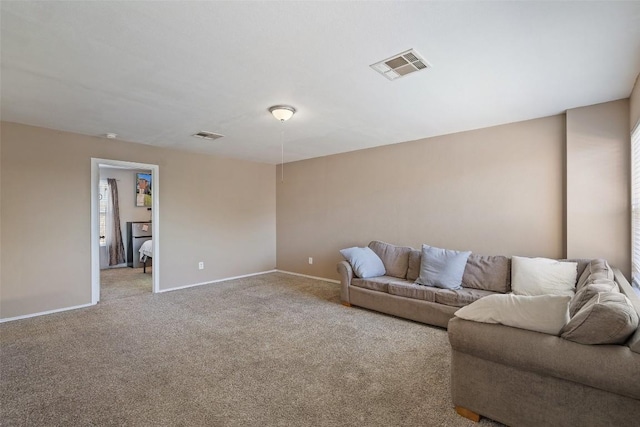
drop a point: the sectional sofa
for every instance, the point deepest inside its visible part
(515, 375)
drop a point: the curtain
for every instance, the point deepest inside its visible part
(113, 236)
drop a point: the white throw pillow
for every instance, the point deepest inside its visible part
(364, 261)
(543, 276)
(543, 313)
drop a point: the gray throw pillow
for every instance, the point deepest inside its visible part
(490, 273)
(608, 318)
(442, 268)
(364, 261)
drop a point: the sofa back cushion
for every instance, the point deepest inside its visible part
(413, 272)
(608, 318)
(596, 269)
(394, 258)
(489, 273)
(587, 292)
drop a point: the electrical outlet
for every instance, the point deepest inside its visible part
(201, 265)
(310, 260)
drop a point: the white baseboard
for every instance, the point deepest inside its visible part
(42, 313)
(324, 279)
(216, 281)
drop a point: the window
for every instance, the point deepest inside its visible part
(635, 205)
(104, 198)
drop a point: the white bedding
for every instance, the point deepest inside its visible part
(146, 250)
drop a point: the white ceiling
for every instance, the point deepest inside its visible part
(157, 72)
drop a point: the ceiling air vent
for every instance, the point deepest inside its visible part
(207, 135)
(400, 65)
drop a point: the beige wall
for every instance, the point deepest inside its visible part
(497, 190)
(215, 210)
(598, 171)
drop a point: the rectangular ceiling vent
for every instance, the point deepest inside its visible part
(207, 135)
(401, 65)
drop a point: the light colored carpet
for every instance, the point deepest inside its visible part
(270, 350)
(116, 283)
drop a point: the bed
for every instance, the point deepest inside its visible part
(146, 252)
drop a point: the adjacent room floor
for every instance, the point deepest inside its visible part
(116, 283)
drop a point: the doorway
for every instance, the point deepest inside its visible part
(124, 278)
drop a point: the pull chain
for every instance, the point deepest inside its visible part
(282, 152)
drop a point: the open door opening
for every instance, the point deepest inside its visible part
(125, 233)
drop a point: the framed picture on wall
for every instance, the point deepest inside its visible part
(143, 189)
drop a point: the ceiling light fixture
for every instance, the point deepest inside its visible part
(282, 112)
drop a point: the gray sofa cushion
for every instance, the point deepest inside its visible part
(380, 283)
(442, 268)
(460, 297)
(608, 318)
(394, 258)
(411, 290)
(596, 269)
(490, 273)
(588, 291)
(413, 272)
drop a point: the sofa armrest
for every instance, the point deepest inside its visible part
(346, 274)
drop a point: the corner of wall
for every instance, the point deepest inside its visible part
(634, 104)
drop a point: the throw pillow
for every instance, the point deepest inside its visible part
(364, 261)
(608, 318)
(442, 268)
(587, 292)
(490, 273)
(541, 313)
(543, 276)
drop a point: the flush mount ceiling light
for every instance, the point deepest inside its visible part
(401, 64)
(282, 112)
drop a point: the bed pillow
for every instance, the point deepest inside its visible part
(543, 276)
(364, 261)
(541, 313)
(442, 268)
(608, 318)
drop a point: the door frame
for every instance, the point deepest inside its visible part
(95, 223)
